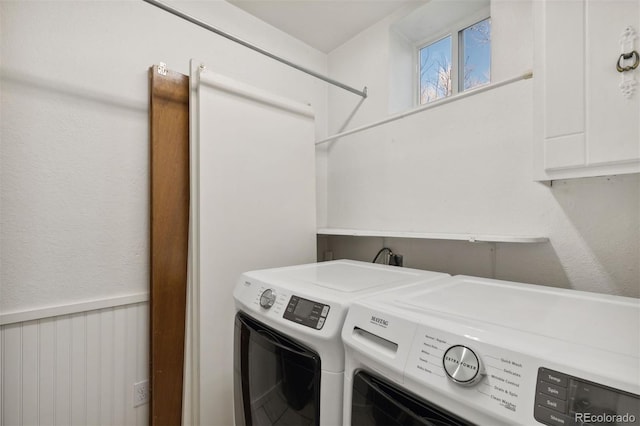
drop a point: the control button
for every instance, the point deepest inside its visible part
(551, 402)
(267, 298)
(325, 311)
(551, 417)
(462, 365)
(580, 405)
(553, 377)
(320, 323)
(552, 390)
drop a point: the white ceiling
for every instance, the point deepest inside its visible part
(323, 24)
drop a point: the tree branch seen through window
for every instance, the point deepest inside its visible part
(436, 79)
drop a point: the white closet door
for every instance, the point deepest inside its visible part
(253, 206)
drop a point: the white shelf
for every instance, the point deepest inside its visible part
(473, 238)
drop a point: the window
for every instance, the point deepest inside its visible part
(439, 49)
(440, 76)
(476, 54)
(435, 70)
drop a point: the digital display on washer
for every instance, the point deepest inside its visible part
(306, 312)
(304, 308)
(568, 400)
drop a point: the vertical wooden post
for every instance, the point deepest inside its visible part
(169, 153)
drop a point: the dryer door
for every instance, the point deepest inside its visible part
(376, 402)
(276, 379)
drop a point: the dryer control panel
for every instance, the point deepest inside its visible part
(566, 400)
(306, 312)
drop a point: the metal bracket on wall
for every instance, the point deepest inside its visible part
(162, 68)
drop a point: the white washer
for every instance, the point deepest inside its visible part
(288, 352)
(477, 351)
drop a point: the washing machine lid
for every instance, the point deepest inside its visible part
(347, 277)
(588, 319)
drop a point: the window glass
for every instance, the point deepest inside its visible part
(435, 70)
(476, 54)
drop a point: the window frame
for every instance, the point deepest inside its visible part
(453, 30)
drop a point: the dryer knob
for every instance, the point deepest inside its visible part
(462, 365)
(267, 298)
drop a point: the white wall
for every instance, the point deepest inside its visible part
(466, 167)
(75, 152)
(74, 164)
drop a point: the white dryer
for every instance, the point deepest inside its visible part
(288, 352)
(479, 351)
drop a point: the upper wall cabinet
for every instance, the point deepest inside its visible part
(587, 112)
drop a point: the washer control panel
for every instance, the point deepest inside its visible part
(566, 400)
(306, 312)
(489, 378)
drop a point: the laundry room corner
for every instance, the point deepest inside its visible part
(365, 213)
(466, 167)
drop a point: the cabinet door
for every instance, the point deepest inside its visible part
(613, 121)
(585, 126)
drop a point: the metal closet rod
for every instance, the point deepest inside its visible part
(235, 39)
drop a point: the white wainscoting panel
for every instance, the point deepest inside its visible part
(75, 369)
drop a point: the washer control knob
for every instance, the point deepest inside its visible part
(462, 365)
(267, 298)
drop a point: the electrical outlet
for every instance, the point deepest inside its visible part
(396, 260)
(141, 393)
